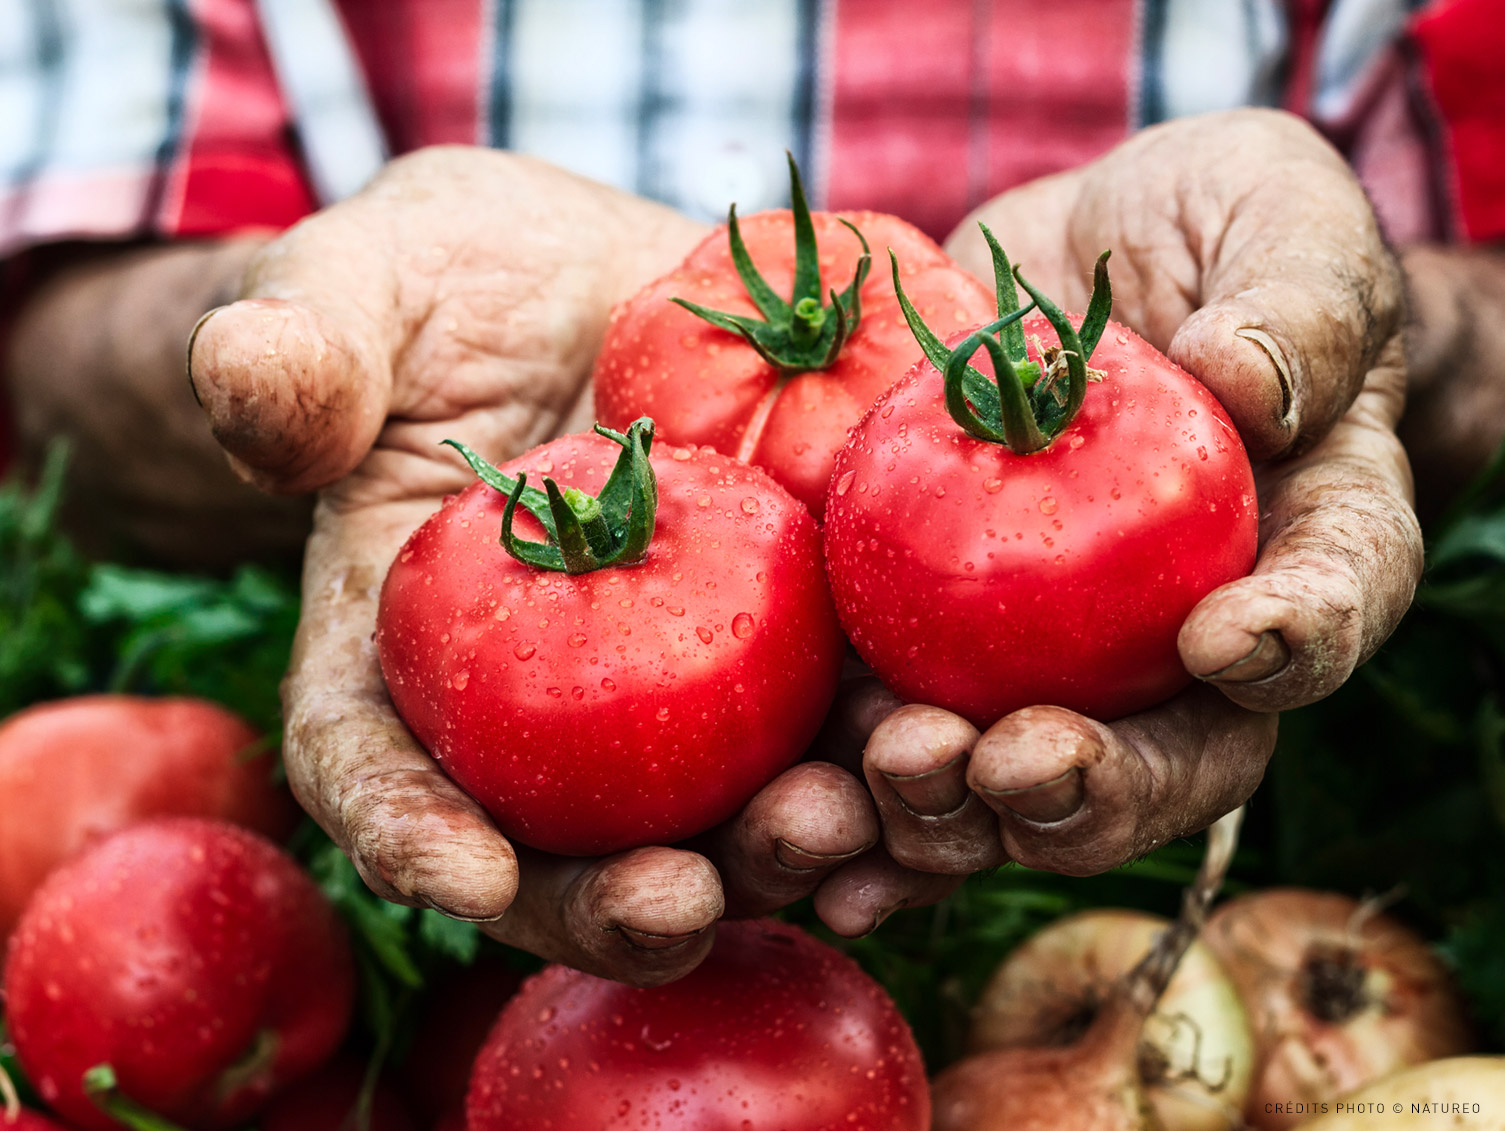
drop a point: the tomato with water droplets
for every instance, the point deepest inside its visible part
(192, 956)
(630, 704)
(1056, 577)
(705, 384)
(774, 1031)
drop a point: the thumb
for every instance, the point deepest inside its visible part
(296, 379)
(1299, 293)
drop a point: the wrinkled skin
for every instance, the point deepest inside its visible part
(372, 331)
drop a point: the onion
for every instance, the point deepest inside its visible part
(1093, 1083)
(1463, 1093)
(1196, 1053)
(1338, 995)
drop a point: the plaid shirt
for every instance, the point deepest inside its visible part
(172, 118)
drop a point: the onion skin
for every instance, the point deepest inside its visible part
(1464, 1080)
(1406, 1010)
(1092, 1085)
(1197, 1041)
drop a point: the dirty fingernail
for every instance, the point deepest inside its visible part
(1269, 655)
(1278, 359)
(1047, 802)
(934, 793)
(193, 336)
(797, 859)
(646, 940)
(455, 915)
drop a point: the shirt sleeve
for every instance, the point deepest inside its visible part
(157, 118)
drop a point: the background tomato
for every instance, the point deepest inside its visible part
(773, 1032)
(705, 385)
(194, 957)
(982, 581)
(75, 770)
(29, 1121)
(627, 706)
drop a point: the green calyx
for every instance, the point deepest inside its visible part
(1026, 404)
(101, 1086)
(584, 532)
(803, 333)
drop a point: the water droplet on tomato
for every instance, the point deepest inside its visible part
(844, 483)
(742, 626)
(577, 692)
(760, 576)
(524, 651)
(888, 410)
(556, 692)
(576, 640)
(444, 638)
(608, 684)
(1076, 441)
(460, 680)
(545, 466)
(546, 1015)
(992, 486)
(914, 650)
(676, 611)
(662, 714)
(749, 505)
(1202, 453)
(703, 501)
(705, 634)
(681, 454)
(1048, 505)
(407, 556)
(1122, 340)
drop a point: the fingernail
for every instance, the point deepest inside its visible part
(797, 859)
(1269, 656)
(455, 915)
(934, 793)
(882, 915)
(193, 336)
(1278, 359)
(1046, 803)
(646, 940)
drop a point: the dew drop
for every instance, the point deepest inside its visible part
(576, 640)
(681, 454)
(742, 626)
(844, 484)
(705, 634)
(608, 684)
(703, 501)
(407, 556)
(556, 692)
(675, 610)
(749, 505)
(662, 714)
(460, 680)
(1201, 453)
(1076, 441)
(444, 638)
(577, 692)
(524, 651)
(1048, 505)
(992, 486)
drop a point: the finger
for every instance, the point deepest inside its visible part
(856, 899)
(1340, 559)
(807, 822)
(916, 767)
(296, 378)
(415, 837)
(1298, 292)
(862, 702)
(1078, 796)
(644, 917)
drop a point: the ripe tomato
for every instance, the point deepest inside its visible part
(706, 385)
(77, 769)
(982, 580)
(192, 956)
(772, 1032)
(627, 705)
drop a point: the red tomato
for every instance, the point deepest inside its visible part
(75, 770)
(632, 705)
(327, 1101)
(772, 1032)
(705, 385)
(192, 956)
(982, 581)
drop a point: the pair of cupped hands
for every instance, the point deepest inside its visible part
(464, 294)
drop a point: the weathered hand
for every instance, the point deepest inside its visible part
(1244, 248)
(464, 294)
